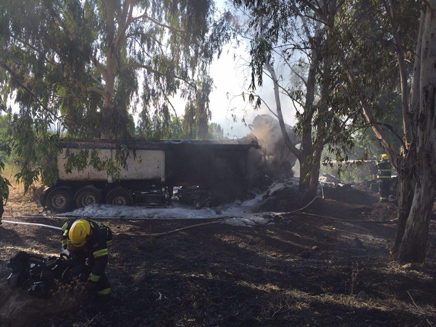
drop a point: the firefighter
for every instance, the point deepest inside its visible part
(384, 176)
(89, 242)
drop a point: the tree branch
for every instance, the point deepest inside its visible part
(97, 90)
(428, 4)
(157, 23)
(99, 66)
(168, 100)
(389, 127)
(318, 12)
(340, 130)
(152, 70)
(121, 33)
(17, 79)
(283, 89)
(285, 135)
(388, 146)
(402, 67)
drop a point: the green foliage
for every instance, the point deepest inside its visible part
(197, 111)
(289, 39)
(4, 157)
(320, 43)
(84, 58)
(78, 65)
(365, 148)
(37, 149)
(4, 148)
(82, 158)
(4, 185)
(215, 131)
(177, 129)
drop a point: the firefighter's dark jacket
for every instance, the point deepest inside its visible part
(95, 249)
(384, 170)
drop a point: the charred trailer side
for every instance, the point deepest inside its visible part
(149, 168)
(216, 171)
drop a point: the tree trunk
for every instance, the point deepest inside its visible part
(405, 197)
(312, 149)
(414, 241)
(309, 156)
(109, 78)
(310, 161)
(407, 157)
(309, 175)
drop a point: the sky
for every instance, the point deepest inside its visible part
(231, 76)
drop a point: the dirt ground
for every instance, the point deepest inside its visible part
(299, 270)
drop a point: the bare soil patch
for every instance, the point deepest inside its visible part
(301, 270)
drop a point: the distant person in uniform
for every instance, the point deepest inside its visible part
(384, 176)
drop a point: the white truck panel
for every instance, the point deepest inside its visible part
(145, 164)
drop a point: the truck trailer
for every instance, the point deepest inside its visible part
(149, 173)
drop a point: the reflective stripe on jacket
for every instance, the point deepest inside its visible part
(384, 169)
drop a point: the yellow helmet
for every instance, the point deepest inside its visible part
(79, 232)
(385, 157)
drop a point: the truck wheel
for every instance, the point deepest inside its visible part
(60, 200)
(87, 196)
(119, 197)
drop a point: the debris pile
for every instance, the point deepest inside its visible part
(38, 287)
(35, 274)
(280, 197)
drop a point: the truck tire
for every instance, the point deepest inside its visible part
(119, 197)
(60, 200)
(87, 196)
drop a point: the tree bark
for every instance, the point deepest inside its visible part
(312, 148)
(405, 198)
(402, 68)
(407, 157)
(310, 162)
(114, 119)
(309, 175)
(414, 240)
(286, 138)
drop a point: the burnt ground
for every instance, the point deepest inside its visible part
(300, 270)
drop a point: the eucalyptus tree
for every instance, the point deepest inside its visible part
(89, 57)
(375, 45)
(399, 36)
(416, 159)
(86, 65)
(292, 47)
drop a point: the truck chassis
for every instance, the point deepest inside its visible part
(218, 169)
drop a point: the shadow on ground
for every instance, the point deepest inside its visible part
(298, 271)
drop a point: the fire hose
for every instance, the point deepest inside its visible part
(218, 220)
(150, 235)
(32, 224)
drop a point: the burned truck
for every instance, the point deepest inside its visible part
(217, 170)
